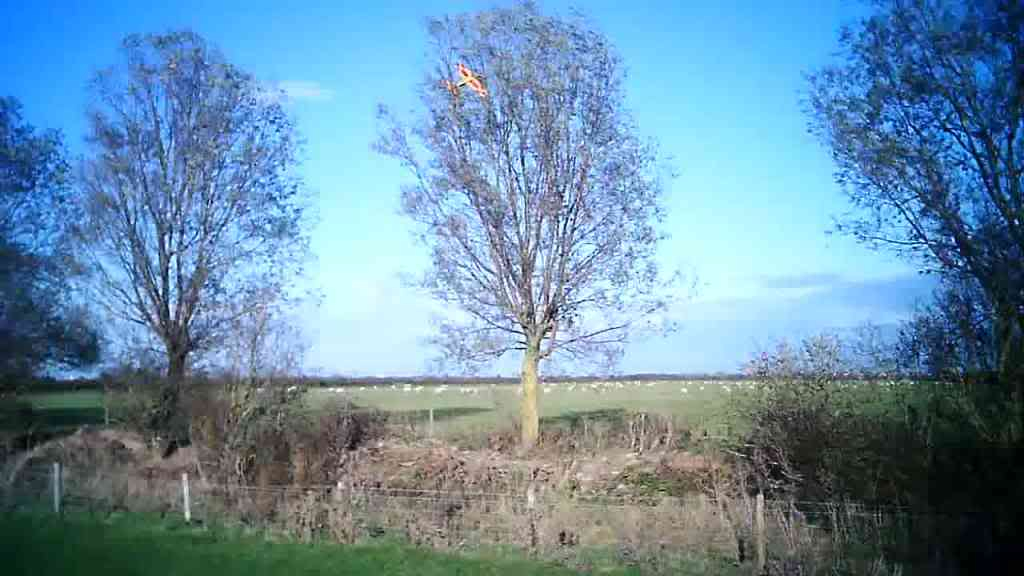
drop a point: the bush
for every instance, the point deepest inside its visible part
(946, 454)
(264, 435)
(809, 441)
(15, 414)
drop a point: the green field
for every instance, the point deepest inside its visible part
(698, 405)
(65, 400)
(53, 410)
(127, 544)
(468, 409)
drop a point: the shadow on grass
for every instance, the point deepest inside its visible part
(87, 545)
(23, 417)
(575, 419)
(423, 415)
(68, 417)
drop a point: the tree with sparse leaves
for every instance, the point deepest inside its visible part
(539, 202)
(191, 213)
(40, 325)
(925, 120)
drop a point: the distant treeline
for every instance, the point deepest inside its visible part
(115, 382)
(344, 381)
(58, 385)
(50, 384)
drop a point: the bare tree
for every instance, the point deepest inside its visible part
(265, 349)
(191, 212)
(538, 200)
(925, 120)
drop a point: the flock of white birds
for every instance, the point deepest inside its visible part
(595, 386)
(599, 387)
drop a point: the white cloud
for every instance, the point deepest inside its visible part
(296, 90)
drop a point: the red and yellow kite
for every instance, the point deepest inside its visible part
(466, 78)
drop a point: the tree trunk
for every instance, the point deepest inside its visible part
(1010, 341)
(176, 362)
(170, 397)
(529, 414)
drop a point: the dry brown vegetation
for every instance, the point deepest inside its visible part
(654, 510)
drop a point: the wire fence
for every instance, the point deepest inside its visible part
(656, 534)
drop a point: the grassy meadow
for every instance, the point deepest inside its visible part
(83, 545)
(701, 405)
(468, 409)
(53, 411)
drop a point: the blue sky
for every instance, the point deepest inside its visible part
(717, 84)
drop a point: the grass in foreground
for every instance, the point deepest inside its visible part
(133, 544)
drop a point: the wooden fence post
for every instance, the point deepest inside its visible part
(185, 497)
(57, 488)
(531, 505)
(430, 429)
(759, 535)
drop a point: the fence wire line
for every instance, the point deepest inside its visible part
(562, 530)
(543, 498)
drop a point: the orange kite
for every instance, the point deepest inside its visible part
(466, 78)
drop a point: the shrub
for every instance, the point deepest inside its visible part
(15, 414)
(807, 440)
(263, 435)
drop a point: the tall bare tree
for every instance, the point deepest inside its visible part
(191, 211)
(538, 200)
(925, 120)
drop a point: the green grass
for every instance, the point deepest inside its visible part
(497, 406)
(40, 545)
(64, 400)
(52, 411)
(704, 406)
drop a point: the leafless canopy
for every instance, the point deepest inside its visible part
(191, 212)
(539, 201)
